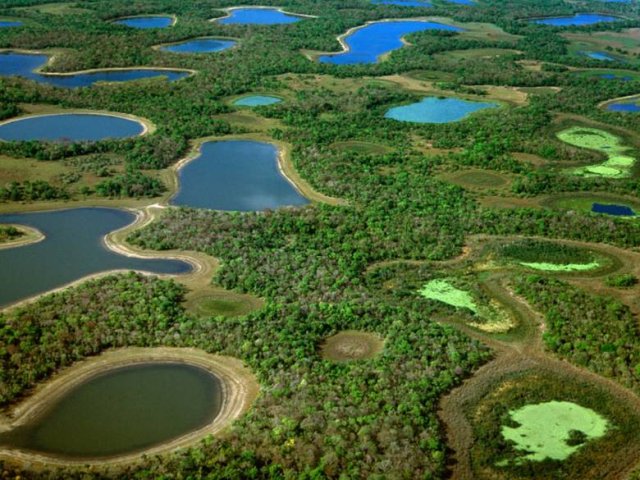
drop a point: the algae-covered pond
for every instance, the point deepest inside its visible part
(443, 291)
(123, 410)
(618, 165)
(550, 430)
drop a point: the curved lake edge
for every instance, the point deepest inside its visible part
(30, 235)
(284, 161)
(604, 104)
(229, 11)
(315, 55)
(159, 47)
(148, 127)
(239, 390)
(51, 58)
(174, 18)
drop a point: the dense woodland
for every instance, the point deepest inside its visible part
(314, 418)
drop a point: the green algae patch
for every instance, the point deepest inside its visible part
(559, 267)
(443, 291)
(618, 163)
(553, 430)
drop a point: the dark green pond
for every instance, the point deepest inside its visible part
(122, 411)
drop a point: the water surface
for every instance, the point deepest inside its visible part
(258, 16)
(403, 3)
(257, 101)
(366, 44)
(200, 45)
(152, 21)
(238, 175)
(578, 19)
(124, 410)
(613, 209)
(9, 23)
(64, 127)
(623, 107)
(14, 64)
(605, 57)
(437, 110)
(613, 76)
(73, 248)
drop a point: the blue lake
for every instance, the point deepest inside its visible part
(73, 248)
(77, 127)
(605, 57)
(612, 209)
(257, 101)
(23, 65)
(366, 44)
(613, 76)
(623, 107)
(402, 3)
(577, 20)
(9, 23)
(200, 45)
(151, 21)
(437, 110)
(257, 16)
(241, 175)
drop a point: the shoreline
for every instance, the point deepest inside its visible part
(240, 389)
(51, 57)
(30, 236)
(229, 11)
(148, 126)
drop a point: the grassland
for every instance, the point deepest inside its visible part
(476, 179)
(351, 345)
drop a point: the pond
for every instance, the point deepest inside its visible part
(14, 64)
(240, 175)
(200, 45)
(257, 16)
(366, 44)
(403, 3)
(623, 107)
(613, 76)
(257, 101)
(613, 209)
(72, 249)
(151, 21)
(64, 127)
(437, 110)
(578, 19)
(9, 23)
(605, 57)
(123, 410)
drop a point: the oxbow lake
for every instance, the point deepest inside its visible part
(14, 64)
(122, 411)
(366, 44)
(72, 249)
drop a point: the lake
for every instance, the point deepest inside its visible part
(241, 175)
(122, 411)
(623, 107)
(73, 248)
(200, 45)
(75, 127)
(14, 64)
(605, 57)
(612, 209)
(257, 16)
(151, 21)
(437, 110)
(578, 19)
(366, 44)
(256, 101)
